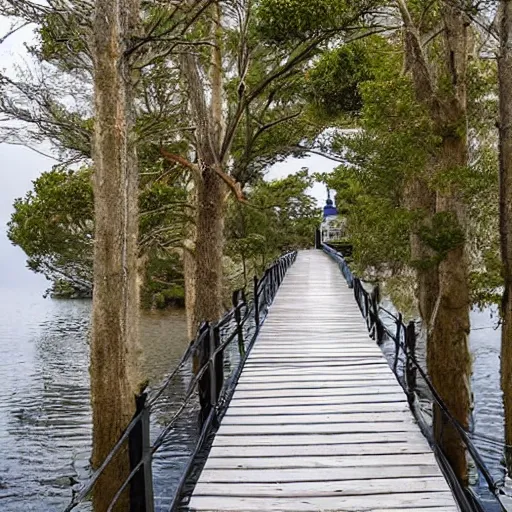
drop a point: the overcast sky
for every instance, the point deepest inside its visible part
(19, 166)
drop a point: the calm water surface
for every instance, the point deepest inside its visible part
(45, 416)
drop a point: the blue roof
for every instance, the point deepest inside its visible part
(330, 209)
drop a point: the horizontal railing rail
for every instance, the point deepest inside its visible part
(208, 382)
(404, 338)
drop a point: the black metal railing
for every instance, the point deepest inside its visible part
(209, 384)
(404, 338)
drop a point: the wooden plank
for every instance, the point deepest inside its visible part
(307, 409)
(309, 400)
(287, 371)
(308, 439)
(359, 364)
(248, 393)
(227, 476)
(329, 488)
(382, 502)
(345, 450)
(243, 463)
(294, 419)
(328, 428)
(316, 377)
(388, 380)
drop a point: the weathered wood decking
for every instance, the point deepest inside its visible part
(318, 421)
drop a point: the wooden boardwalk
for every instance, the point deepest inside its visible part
(318, 421)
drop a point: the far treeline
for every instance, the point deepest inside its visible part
(167, 115)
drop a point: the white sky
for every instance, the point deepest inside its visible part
(19, 166)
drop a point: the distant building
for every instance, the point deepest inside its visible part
(332, 226)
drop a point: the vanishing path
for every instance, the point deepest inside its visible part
(318, 421)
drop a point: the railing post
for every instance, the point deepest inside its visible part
(256, 303)
(139, 447)
(238, 320)
(397, 340)
(219, 363)
(379, 330)
(266, 286)
(366, 310)
(203, 386)
(211, 372)
(410, 351)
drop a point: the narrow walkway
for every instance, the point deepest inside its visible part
(318, 421)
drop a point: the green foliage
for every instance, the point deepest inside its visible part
(333, 85)
(163, 284)
(444, 235)
(398, 143)
(281, 21)
(281, 216)
(54, 225)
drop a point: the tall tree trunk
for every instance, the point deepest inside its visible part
(448, 357)
(116, 293)
(210, 187)
(189, 267)
(189, 274)
(209, 246)
(505, 143)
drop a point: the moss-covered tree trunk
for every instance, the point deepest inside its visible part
(505, 141)
(115, 302)
(444, 95)
(448, 357)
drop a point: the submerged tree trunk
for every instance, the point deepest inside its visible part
(448, 357)
(505, 143)
(115, 302)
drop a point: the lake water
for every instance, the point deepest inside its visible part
(45, 417)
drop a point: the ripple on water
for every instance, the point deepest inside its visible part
(45, 416)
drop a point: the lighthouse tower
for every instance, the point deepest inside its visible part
(330, 229)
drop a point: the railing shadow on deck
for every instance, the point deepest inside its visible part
(209, 384)
(404, 338)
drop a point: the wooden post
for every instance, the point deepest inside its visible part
(256, 303)
(139, 446)
(410, 350)
(238, 320)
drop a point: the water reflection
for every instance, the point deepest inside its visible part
(45, 417)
